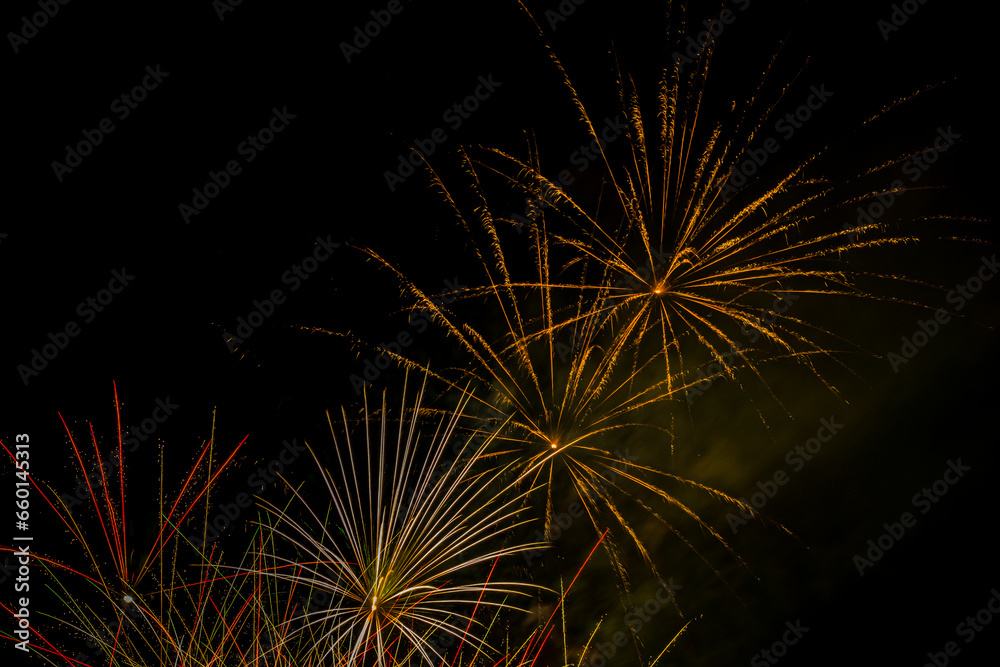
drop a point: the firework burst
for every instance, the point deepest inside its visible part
(677, 249)
(409, 547)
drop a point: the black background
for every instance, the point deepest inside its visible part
(324, 175)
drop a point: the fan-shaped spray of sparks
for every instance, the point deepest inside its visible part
(415, 548)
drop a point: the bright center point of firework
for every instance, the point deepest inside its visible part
(127, 598)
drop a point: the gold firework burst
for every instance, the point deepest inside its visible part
(677, 251)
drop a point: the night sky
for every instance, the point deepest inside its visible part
(308, 134)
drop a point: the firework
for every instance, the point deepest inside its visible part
(408, 547)
(563, 384)
(136, 599)
(671, 264)
(678, 250)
